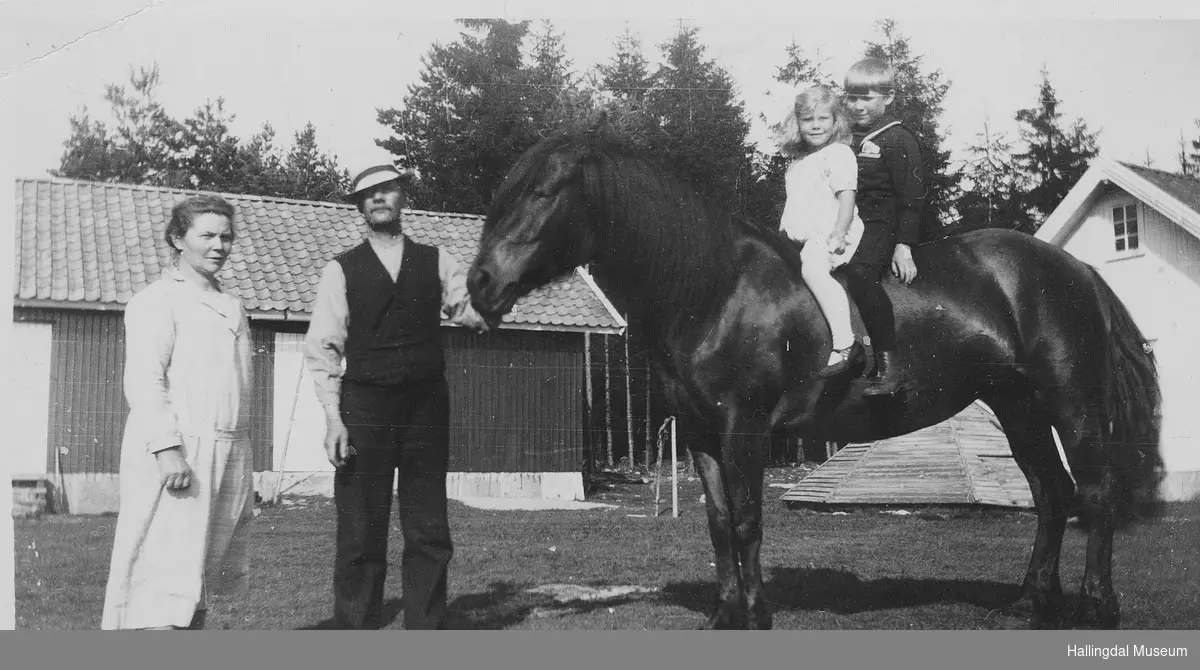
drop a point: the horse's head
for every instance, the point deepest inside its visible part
(537, 228)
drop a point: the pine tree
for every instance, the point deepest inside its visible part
(146, 145)
(90, 152)
(701, 127)
(477, 107)
(991, 186)
(210, 156)
(1055, 158)
(311, 174)
(918, 105)
(627, 75)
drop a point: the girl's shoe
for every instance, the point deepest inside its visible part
(849, 357)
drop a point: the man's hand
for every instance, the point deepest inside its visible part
(173, 469)
(903, 265)
(337, 441)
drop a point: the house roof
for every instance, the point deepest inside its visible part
(90, 245)
(1175, 196)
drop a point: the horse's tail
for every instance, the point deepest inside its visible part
(1130, 420)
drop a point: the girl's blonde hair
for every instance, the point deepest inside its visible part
(812, 98)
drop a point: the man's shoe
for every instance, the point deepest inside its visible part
(883, 380)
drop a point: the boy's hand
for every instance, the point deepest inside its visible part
(903, 265)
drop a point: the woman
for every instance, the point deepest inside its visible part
(186, 462)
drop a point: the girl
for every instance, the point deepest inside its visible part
(186, 464)
(821, 183)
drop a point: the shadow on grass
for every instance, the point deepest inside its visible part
(504, 605)
(842, 592)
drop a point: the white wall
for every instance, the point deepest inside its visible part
(299, 433)
(1158, 288)
(29, 358)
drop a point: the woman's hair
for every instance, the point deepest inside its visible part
(184, 213)
(870, 74)
(811, 99)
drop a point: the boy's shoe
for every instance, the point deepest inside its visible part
(882, 380)
(851, 355)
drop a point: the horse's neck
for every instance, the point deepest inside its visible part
(665, 270)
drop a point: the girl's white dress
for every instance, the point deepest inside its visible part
(187, 374)
(811, 209)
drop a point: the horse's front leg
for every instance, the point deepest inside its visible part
(730, 610)
(743, 447)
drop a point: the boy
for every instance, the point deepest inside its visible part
(891, 191)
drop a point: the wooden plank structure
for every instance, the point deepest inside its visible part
(962, 461)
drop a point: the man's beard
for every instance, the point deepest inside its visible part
(391, 220)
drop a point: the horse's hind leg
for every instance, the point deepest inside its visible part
(1028, 430)
(1098, 491)
(730, 607)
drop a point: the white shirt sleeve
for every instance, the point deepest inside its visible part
(149, 343)
(325, 343)
(456, 300)
(843, 169)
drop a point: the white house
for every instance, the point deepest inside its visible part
(1140, 228)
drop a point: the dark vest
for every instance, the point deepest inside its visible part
(394, 335)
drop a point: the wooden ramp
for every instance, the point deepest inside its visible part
(962, 461)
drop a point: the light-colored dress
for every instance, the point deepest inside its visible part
(811, 209)
(187, 375)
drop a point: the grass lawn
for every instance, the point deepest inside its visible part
(865, 569)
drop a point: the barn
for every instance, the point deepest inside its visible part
(82, 249)
(1140, 228)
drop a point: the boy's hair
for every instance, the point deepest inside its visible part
(870, 74)
(788, 135)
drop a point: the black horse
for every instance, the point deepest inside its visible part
(735, 337)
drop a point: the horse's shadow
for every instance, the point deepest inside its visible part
(503, 605)
(843, 592)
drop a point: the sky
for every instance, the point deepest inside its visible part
(1126, 72)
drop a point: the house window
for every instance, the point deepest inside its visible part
(1125, 228)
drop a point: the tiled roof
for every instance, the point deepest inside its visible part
(1184, 189)
(93, 244)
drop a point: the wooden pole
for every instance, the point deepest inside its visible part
(608, 403)
(628, 399)
(588, 409)
(658, 473)
(647, 421)
(674, 474)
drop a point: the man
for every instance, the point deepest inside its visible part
(378, 308)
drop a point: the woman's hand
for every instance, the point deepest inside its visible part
(173, 470)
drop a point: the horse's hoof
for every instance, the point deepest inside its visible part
(760, 623)
(724, 620)
(1098, 613)
(1047, 612)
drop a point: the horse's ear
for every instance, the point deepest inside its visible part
(598, 131)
